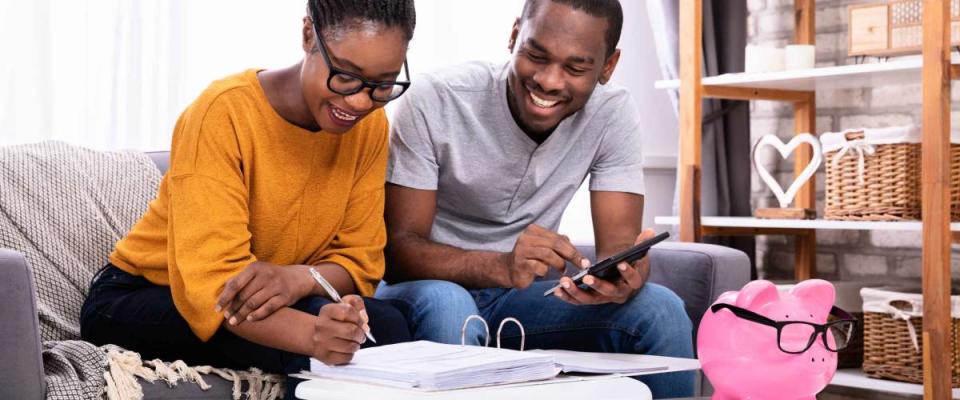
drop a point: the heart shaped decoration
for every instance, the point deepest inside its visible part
(785, 150)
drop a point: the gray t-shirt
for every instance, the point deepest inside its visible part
(453, 132)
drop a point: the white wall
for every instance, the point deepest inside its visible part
(637, 70)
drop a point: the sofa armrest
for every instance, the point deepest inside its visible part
(22, 376)
(698, 273)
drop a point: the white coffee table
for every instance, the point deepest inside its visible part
(609, 388)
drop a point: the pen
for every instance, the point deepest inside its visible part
(334, 295)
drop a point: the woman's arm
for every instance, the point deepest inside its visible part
(332, 336)
(286, 329)
(263, 288)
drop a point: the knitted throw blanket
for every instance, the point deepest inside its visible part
(64, 208)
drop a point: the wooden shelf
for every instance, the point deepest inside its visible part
(751, 222)
(855, 378)
(895, 72)
(934, 70)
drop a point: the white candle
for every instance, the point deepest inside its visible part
(800, 56)
(775, 59)
(753, 59)
(763, 59)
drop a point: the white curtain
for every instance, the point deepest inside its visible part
(104, 73)
(116, 74)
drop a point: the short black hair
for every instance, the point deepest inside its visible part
(609, 9)
(392, 13)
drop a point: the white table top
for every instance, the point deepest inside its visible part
(607, 388)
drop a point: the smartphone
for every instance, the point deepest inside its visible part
(607, 269)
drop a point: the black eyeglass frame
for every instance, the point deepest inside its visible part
(364, 83)
(818, 329)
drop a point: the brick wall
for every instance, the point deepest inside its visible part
(841, 255)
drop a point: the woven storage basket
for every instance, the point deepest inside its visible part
(887, 186)
(888, 348)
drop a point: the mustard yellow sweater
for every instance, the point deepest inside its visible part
(246, 185)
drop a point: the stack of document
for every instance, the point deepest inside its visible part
(434, 366)
(431, 366)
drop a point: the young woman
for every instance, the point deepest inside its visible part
(272, 174)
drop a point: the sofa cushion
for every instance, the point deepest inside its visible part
(219, 389)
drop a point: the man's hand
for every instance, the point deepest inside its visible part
(632, 278)
(536, 250)
(338, 331)
(260, 290)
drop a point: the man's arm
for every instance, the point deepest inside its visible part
(411, 255)
(617, 221)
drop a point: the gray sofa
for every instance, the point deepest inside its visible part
(698, 273)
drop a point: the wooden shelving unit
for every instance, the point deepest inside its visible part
(933, 69)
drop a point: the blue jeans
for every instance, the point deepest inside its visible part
(132, 313)
(652, 322)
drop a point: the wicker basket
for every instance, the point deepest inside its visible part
(888, 185)
(888, 347)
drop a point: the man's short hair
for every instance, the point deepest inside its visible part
(391, 13)
(609, 9)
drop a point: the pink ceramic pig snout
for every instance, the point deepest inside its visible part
(818, 359)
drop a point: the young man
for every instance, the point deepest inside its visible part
(484, 159)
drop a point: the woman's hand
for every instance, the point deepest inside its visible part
(338, 332)
(260, 290)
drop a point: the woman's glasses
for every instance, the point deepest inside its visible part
(347, 83)
(795, 337)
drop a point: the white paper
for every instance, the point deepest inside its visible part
(599, 363)
(435, 366)
(620, 364)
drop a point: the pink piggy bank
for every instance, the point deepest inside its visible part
(746, 358)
